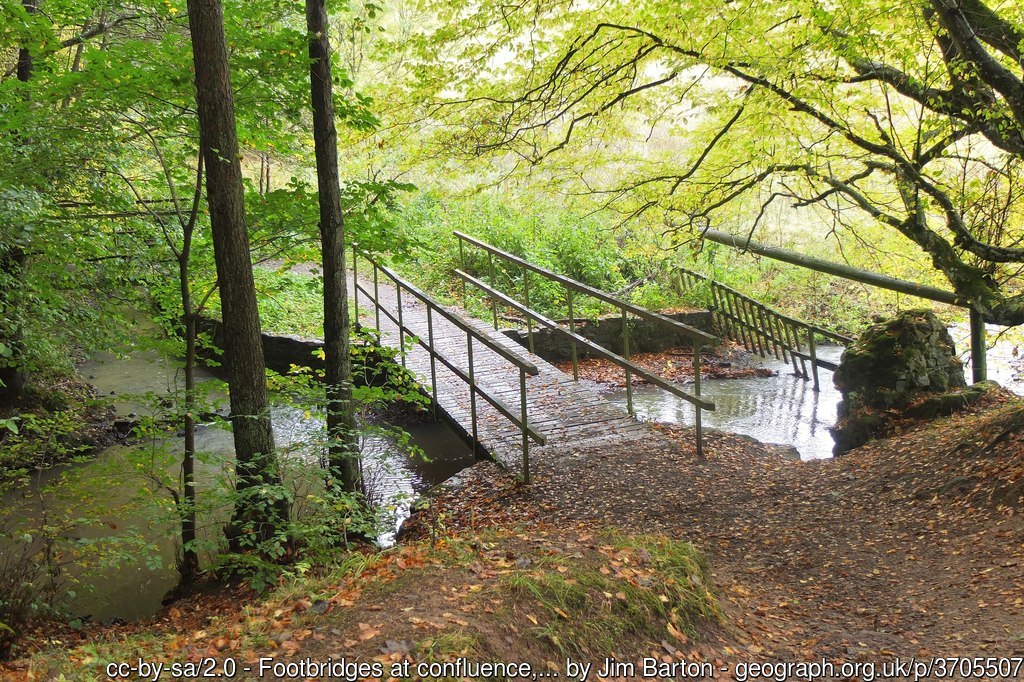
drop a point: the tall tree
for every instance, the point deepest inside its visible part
(724, 108)
(343, 454)
(12, 265)
(260, 507)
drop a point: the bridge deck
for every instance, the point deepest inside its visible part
(568, 413)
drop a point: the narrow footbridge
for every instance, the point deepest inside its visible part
(509, 401)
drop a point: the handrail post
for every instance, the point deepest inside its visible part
(769, 336)
(572, 328)
(526, 299)
(472, 388)
(789, 334)
(696, 392)
(979, 348)
(462, 266)
(401, 324)
(433, 359)
(376, 302)
(812, 349)
(803, 362)
(525, 428)
(355, 285)
(625, 354)
(494, 302)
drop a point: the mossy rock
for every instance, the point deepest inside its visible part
(893, 362)
(945, 404)
(855, 430)
(891, 367)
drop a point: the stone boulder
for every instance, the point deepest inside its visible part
(892, 365)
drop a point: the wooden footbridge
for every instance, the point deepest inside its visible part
(504, 397)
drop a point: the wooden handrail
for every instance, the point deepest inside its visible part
(820, 331)
(510, 355)
(537, 436)
(524, 366)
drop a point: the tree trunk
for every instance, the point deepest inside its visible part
(189, 567)
(12, 377)
(12, 273)
(260, 507)
(343, 453)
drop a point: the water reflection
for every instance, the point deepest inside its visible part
(108, 492)
(781, 409)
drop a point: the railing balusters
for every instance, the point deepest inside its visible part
(523, 421)
(787, 329)
(772, 342)
(575, 340)
(401, 325)
(525, 367)
(625, 354)
(462, 266)
(812, 350)
(526, 298)
(433, 357)
(376, 301)
(760, 328)
(355, 289)
(494, 303)
(696, 391)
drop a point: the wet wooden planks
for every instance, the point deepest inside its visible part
(568, 413)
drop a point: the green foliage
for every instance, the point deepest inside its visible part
(547, 234)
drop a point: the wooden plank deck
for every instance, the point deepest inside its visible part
(568, 413)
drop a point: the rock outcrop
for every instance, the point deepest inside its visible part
(891, 366)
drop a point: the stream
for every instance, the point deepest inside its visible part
(785, 409)
(117, 509)
(781, 409)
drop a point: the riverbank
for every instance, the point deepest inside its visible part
(58, 418)
(909, 546)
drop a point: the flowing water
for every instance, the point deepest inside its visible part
(781, 409)
(785, 409)
(115, 505)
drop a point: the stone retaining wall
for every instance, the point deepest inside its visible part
(280, 351)
(644, 336)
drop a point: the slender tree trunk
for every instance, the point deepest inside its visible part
(189, 567)
(24, 54)
(260, 508)
(12, 376)
(343, 454)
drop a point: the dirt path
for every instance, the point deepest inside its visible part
(896, 549)
(911, 546)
